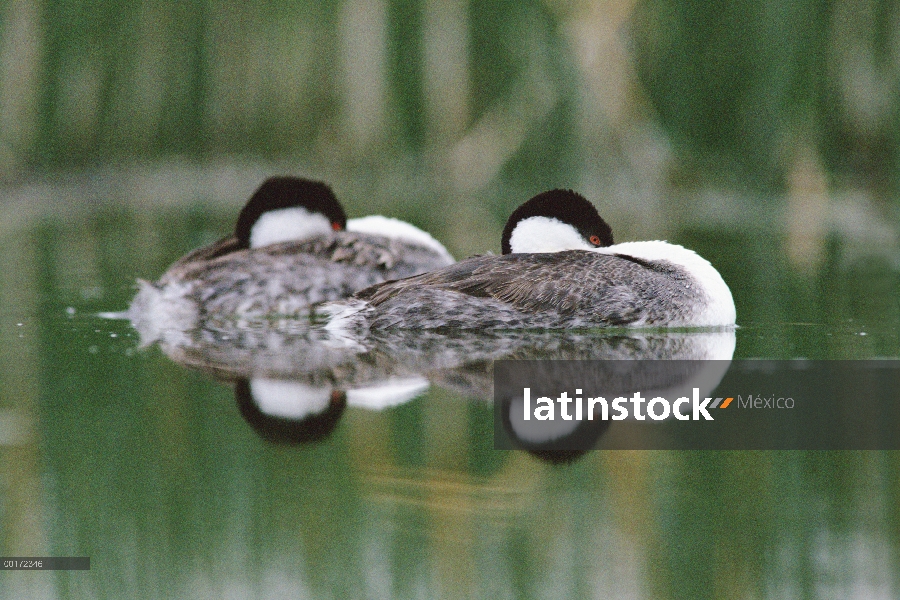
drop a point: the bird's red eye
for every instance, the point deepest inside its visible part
(595, 240)
(336, 226)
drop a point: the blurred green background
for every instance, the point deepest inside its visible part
(472, 93)
(764, 134)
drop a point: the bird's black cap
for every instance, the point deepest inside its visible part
(286, 192)
(566, 206)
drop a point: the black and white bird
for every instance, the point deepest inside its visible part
(292, 247)
(559, 269)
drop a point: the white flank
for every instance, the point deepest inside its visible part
(387, 393)
(398, 230)
(545, 234)
(287, 225)
(720, 310)
(289, 399)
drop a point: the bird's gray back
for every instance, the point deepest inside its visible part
(565, 289)
(286, 278)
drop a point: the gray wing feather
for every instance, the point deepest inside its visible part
(602, 289)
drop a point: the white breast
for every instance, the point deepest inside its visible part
(720, 308)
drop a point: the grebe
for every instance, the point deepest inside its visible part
(559, 269)
(292, 247)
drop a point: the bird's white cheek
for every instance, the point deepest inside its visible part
(545, 234)
(287, 225)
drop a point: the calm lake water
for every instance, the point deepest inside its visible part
(117, 452)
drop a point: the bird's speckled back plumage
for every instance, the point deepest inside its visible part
(287, 277)
(574, 288)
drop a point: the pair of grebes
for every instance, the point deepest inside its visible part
(294, 252)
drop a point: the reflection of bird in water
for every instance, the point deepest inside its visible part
(292, 247)
(291, 412)
(461, 361)
(558, 442)
(294, 383)
(559, 269)
(264, 409)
